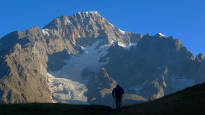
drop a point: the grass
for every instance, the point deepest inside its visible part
(52, 109)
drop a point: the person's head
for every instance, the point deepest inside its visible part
(118, 86)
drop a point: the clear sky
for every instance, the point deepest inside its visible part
(182, 19)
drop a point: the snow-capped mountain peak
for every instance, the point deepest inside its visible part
(160, 35)
(87, 13)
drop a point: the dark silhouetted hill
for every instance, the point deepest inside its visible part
(190, 101)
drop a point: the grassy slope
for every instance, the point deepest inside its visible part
(190, 101)
(52, 109)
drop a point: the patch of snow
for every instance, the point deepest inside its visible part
(125, 46)
(68, 84)
(122, 44)
(77, 63)
(93, 12)
(121, 31)
(111, 25)
(82, 47)
(88, 12)
(181, 82)
(132, 44)
(160, 34)
(45, 32)
(67, 91)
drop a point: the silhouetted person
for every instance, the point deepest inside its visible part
(117, 93)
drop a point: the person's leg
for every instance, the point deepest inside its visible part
(116, 102)
(120, 99)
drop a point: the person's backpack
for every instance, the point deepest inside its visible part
(118, 92)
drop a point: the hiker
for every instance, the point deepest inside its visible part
(117, 93)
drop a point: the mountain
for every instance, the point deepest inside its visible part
(189, 101)
(79, 59)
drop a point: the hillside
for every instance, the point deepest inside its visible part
(190, 101)
(52, 109)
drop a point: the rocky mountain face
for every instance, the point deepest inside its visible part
(81, 58)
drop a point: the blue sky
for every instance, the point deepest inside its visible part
(182, 19)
